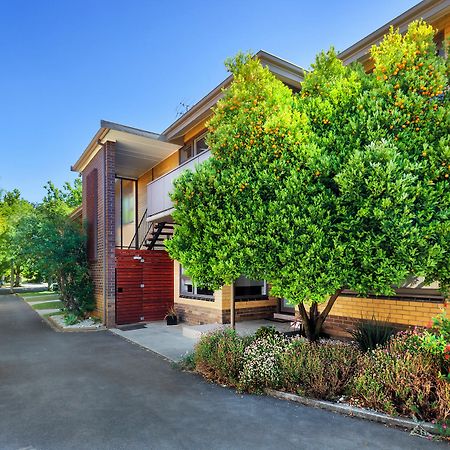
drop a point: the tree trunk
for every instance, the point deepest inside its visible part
(17, 277)
(232, 309)
(313, 322)
(11, 288)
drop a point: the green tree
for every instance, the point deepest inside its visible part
(55, 246)
(344, 186)
(49, 243)
(12, 208)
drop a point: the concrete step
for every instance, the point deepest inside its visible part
(284, 316)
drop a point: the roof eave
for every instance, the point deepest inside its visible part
(286, 71)
(427, 10)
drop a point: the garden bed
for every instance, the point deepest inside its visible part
(403, 382)
(83, 325)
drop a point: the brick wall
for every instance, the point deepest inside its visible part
(103, 261)
(401, 311)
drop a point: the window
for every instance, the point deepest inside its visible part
(249, 289)
(125, 206)
(188, 289)
(193, 149)
(200, 145)
(186, 153)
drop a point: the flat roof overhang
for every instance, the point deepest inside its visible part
(136, 151)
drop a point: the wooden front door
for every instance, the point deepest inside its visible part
(129, 287)
(144, 285)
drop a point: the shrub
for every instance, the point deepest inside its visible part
(261, 367)
(371, 334)
(267, 332)
(219, 356)
(404, 379)
(322, 370)
(441, 325)
(70, 319)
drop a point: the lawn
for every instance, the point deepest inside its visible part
(42, 297)
(37, 294)
(49, 305)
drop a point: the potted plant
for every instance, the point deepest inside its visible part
(171, 316)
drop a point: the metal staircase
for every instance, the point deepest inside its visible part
(151, 235)
(160, 231)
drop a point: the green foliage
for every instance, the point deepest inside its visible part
(403, 379)
(51, 244)
(372, 334)
(219, 355)
(323, 371)
(65, 199)
(399, 378)
(12, 208)
(441, 324)
(56, 247)
(71, 319)
(345, 185)
(267, 332)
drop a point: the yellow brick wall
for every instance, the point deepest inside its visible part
(226, 297)
(403, 312)
(165, 166)
(199, 128)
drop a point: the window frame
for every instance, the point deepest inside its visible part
(192, 143)
(135, 183)
(263, 296)
(195, 294)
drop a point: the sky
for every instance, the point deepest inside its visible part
(67, 65)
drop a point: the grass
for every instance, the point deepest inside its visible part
(37, 294)
(42, 298)
(49, 305)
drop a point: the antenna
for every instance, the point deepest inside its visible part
(182, 108)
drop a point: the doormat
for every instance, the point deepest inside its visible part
(131, 327)
(273, 319)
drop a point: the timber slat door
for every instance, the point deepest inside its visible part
(129, 273)
(144, 285)
(158, 285)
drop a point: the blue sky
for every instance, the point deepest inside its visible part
(66, 65)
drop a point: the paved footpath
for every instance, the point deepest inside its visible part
(98, 391)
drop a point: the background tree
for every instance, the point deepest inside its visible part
(12, 208)
(53, 245)
(342, 186)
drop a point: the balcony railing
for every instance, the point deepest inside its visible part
(158, 200)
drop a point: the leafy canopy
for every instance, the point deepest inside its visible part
(344, 185)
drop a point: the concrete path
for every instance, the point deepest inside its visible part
(97, 391)
(175, 341)
(167, 341)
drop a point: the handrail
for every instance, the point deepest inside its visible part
(136, 233)
(185, 163)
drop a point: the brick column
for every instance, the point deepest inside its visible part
(110, 244)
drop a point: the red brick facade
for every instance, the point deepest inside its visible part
(102, 257)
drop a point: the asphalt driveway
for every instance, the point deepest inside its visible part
(98, 391)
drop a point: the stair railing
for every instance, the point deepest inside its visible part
(135, 240)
